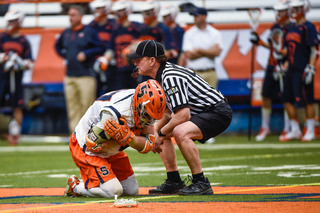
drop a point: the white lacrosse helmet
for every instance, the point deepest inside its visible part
(14, 15)
(282, 5)
(151, 5)
(100, 4)
(298, 3)
(169, 9)
(122, 5)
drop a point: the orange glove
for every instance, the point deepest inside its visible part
(92, 146)
(148, 144)
(120, 133)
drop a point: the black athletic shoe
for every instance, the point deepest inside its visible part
(168, 187)
(197, 187)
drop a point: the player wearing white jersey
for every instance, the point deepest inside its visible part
(113, 122)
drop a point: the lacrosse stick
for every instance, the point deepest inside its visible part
(11, 62)
(276, 40)
(254, 17)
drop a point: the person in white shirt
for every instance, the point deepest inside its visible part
(201, 44)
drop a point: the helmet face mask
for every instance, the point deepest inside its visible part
(121, 9)
(282, 11)
(150, 11)
(282, 16)
(148, 103)
(298, 9)
(144, 117)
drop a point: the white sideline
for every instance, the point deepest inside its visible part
(43, 138)
(62, 148)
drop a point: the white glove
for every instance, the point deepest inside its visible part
(15, 63)
(278, 55)
(278, 72)
(308, 74)
(101, 64)
(3, 57)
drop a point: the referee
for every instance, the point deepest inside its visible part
(195, 111)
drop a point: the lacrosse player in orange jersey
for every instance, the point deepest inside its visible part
(113, 122)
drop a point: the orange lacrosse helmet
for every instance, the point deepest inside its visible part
(149, 103)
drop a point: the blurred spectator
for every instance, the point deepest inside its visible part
(152, 29)
(104, 27)
(201, 44)
(150, 10)
(15, 57)
(169, 13)
(274, 77)
(79, 45)
(66, 7)
(123, 37)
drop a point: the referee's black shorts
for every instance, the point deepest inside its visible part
(213, 121)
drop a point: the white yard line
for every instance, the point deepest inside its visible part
(200, 147)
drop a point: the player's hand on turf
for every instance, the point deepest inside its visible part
(120, 133)
(308, 74)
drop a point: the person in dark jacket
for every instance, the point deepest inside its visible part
(79, 45)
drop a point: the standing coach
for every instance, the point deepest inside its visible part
(195, 111)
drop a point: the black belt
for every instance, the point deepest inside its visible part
(205, 70)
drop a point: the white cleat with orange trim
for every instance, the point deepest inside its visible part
(262, 134)
(73, 181)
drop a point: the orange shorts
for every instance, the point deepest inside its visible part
(95, 170)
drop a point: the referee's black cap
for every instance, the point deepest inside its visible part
(148, 48)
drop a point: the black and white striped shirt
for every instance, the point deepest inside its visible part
(185, 88)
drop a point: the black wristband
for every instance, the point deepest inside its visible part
(160, 133)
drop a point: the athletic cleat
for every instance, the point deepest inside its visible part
(197, 187)
(168, 187)
(284, 132)
(290, 136)
(73, 181)
(262, 134)
(309, 136)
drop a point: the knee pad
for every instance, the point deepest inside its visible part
(130, 186)
(107, 189)
(111, 188)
